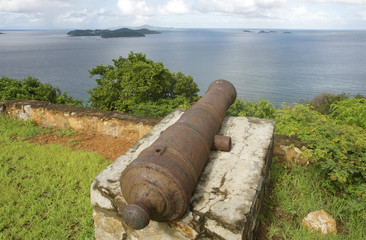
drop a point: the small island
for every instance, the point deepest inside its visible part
(264, 31)
(122, 32)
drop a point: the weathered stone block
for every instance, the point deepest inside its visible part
(227, 199)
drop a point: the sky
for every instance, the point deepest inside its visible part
(258, 14)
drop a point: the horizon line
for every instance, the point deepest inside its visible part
(173, 28)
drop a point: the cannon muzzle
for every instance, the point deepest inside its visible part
(159, 183)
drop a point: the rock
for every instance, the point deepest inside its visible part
(290, 155)
(320, 220)
(107, 226)
(289, 149)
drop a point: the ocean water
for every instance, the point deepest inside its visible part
(278, 67)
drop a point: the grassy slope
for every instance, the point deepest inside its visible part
(301, 190)
(44, 190)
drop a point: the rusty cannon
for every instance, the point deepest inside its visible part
(159, 183)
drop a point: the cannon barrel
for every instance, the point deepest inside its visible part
(159, 183)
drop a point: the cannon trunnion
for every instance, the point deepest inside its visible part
(159, 183)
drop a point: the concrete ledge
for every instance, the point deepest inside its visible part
(227, 199)
(112, 123)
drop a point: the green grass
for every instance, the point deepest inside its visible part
(301, 190)
(66, 132)
(44, 190)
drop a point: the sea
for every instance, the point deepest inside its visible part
(280, 66)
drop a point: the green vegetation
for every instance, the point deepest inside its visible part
(337, 141)
(68, 132)
(123, 32)
(333, 126)
(32, 89)
(44, 189)
(139, 85)
(339, 150)
(160, 108)
(261, 109)
(350, 111)
(301, 190)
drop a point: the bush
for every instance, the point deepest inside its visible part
(31, 89)
(160, 108)
(261, 109)
(350, 111)
(339, 150)
(135, 80)
(323, 101)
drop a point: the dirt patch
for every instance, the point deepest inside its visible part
(107, 146)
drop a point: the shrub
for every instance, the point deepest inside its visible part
(261, 109)
(350, 111)
(32, 89)
(160, 108)
(339, 150)
(323, 101)
(136, 80)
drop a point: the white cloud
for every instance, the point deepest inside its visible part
(140, 20)
(363, 15)
(30, 5)
(179, 7)
(133, 7)
(357, 2)
(183, 13)
(74, 16)
(236, 6)
(25, 19)
(175, 7)
(303, 15)
(83, 16)
(299, 11)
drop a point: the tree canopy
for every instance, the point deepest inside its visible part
(138, 80)
(31, 88)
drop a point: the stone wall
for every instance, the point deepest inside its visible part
(228, 197)
(111, 123)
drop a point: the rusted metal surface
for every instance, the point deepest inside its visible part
(222, 143)
(159, 183)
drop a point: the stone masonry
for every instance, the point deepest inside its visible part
(112, 123)
(227, 199)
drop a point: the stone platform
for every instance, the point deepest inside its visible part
(227, 199)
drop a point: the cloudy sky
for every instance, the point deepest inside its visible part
(285, 14)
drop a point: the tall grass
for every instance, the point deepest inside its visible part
(44, 190)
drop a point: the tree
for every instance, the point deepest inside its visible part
(32, 89)
(137, 80)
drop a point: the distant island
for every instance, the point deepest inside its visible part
(263, 31)
(122, 32)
